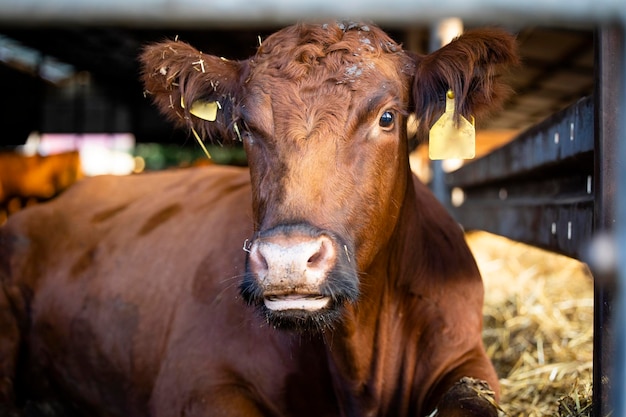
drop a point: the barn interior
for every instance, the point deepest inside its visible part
(82, 79)
(71, 86)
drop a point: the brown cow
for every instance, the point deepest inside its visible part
(354, 292)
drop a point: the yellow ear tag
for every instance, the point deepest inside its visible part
(206, 110)
(447, 140)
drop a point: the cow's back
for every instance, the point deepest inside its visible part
(125, 286)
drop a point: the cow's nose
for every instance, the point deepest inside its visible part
(292, 264)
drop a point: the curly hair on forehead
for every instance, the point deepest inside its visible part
(295, 51)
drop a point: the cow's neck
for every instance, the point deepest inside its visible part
(360, 347)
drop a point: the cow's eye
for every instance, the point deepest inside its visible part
(386, 120)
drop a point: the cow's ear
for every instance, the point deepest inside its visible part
(193, 89)
(470, 66)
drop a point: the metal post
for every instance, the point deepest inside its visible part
(608, 59)
(619, 360)
(441, 34)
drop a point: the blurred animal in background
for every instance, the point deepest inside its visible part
(30, 179)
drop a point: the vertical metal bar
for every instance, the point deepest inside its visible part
(608, 57)
(619, 373)
(441, 34)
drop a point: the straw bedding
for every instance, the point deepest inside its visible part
(538, 327)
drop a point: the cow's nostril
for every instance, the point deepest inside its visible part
(313, 259)
(317, 256)
(258, 262)
(322, 255)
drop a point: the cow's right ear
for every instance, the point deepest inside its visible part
(181, 79)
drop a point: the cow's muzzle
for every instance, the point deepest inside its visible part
(299, 275)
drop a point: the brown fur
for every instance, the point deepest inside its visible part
(129, 298)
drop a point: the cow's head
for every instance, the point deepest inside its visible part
(322, 111)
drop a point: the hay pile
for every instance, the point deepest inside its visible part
(538, 327)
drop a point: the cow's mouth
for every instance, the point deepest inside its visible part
(301, 312)
(296, 302)
(300, 276)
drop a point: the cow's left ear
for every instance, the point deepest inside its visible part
(470, 66)
(193, 89)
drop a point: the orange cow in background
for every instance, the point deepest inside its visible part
(27, 179)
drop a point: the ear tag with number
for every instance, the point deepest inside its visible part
(449, 140)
